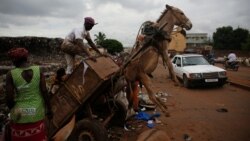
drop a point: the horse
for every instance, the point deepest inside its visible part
(145, 60)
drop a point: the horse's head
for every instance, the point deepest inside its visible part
(179, 18)
(172, 16)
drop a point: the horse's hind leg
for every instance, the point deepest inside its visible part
(135, 90)
(147, 83)
(132, 95)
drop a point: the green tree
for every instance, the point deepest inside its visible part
(113, 46)
(223, 37)
(246, 45)
(100, 37)
(228, 38)
(239, 37)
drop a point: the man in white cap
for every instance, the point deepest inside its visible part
(73, 43)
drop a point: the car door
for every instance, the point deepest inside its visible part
(177, 66)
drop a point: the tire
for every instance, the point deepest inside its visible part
(89, 130)
(186, 83)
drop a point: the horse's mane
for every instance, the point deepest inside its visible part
(165, 12)
(162, 14)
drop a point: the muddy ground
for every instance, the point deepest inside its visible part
(197, 113)
(202, 114)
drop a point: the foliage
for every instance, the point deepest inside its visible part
(246, 45)
(113, 46)
(100, 37)
(229, 38)
(240, 37)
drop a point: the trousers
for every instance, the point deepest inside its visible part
(71, 50)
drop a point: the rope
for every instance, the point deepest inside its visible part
(142, 25)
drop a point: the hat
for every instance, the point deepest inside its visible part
(89, 20)
(18, 53)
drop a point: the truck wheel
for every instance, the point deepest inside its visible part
(89, 130)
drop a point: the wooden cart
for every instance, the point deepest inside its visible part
(89, 94)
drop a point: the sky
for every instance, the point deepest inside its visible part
(117, 19)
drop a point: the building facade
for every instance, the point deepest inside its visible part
(196, 39)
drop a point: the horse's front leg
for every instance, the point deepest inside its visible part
(147, 84)
(171, 71)
(166, 59)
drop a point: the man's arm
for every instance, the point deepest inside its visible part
(10, 91)
(79, 43)
(91, 43)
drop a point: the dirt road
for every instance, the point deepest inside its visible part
(204, 114)
(240, 78)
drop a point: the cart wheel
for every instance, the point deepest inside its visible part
(89, 130)
(120, 112)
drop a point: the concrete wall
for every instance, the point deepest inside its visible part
(178, 42)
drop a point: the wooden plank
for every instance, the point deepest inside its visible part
(62, 107)
(104, 67)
